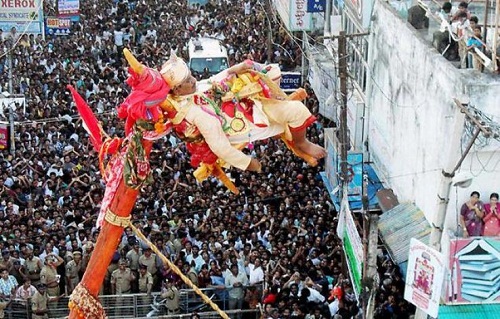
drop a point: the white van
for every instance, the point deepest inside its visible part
(207, 53)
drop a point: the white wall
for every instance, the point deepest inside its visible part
(411, 114)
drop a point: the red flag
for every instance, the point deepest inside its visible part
(90, 121)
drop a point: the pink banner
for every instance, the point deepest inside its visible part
(4, 136)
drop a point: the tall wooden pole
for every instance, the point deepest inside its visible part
(109, 237)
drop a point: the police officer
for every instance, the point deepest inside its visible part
(40, 300)
(33, 266)
(48, 274)
(145, 284)
(73, 268)
(145, 280)
(171, 294)
(121, 283)
(121, 278)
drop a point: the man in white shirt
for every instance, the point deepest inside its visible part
(234, 282)
(255, 272)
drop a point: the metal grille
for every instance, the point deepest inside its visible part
(139, 306)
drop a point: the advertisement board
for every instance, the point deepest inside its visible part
(294, 14)
(425, 277)
(290, 81)
(316, 5)
(57, 26)
(354, 175)
(199, 2)
(474, 265)
(4, 136)
(25, 15)
(353, 249)
(68, 8)
(331, 161)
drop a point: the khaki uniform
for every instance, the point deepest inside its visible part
(133, 259)
(72, 270)
(145, 282)
(3, 305)
(48, 276)
(122, 280)
(145, 285)
(172, 300)
(33, 268)
(150, 263)
(39, 302)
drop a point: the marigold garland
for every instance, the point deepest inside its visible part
(85, 305)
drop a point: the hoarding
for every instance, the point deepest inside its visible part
(316, 5)
(294, 14)
(474, 265)
(354, 175)
(68, 8)
(290, 81)
(353, 249)
(57, 26)
(425, 277)
(195, 2)
(4, 136)
(24, 15)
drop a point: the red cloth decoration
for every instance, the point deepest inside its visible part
(148, 91)
(91, 124)
(201, 153)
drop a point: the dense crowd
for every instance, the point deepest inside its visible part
(278, 235)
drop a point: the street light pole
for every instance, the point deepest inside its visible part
(11, 109)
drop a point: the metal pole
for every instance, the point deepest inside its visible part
(327, 31)
(303, 70)
(486, 17)
(366, 241)
(371, 269)
(342, 56)
(269, 33)
(9, 57)
(10, 106)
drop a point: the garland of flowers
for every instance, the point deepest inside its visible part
(85, 305)
(137, 170)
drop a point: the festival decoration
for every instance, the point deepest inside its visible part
(150, 113)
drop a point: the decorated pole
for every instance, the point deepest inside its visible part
(128, 167)
(84, 302)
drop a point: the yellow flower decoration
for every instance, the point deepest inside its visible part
(238, 84)
(160, 127)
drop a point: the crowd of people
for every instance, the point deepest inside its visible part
(460, 37)
(478, 218)
(273, 245)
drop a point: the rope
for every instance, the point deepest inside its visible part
(177, 271)
(116, 220)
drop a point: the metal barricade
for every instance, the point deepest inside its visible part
(142, 305)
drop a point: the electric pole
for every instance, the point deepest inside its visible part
(11, 92)
(269, 32)
(344, 142)
(370, 225)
